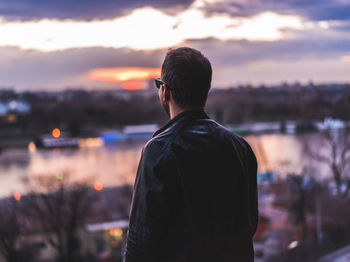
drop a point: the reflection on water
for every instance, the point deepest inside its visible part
(117, 164)
(108, 165)
(277, 152)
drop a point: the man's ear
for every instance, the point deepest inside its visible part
(166, 93)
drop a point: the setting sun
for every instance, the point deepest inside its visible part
(17, 196)
(98, 186)
(123, 74)
(133, 85)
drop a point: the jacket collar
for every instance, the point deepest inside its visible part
(188, 114)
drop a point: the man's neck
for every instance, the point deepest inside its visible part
(175, 110)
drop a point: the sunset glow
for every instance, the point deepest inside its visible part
(123, 74)
(56, 45)
(137, 29)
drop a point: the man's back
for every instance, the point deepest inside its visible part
(195, 195)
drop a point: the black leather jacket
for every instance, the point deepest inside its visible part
(195, 195)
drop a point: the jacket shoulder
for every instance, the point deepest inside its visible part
(238, 141)
(156, 151)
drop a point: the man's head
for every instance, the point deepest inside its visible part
(187, 73)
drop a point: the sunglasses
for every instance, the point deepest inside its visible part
(159, 82)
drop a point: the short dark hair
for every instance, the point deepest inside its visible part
(188, 74)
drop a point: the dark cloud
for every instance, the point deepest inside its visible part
(232, 8)
(100, 9)
(311, 9)
(80, 9)
(25, 68)
(311, 46)
(320, 9)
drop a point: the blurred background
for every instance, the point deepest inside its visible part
(78, 102)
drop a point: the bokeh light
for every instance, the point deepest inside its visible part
(56, 133)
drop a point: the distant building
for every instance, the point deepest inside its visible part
(333, 123)
(140, 131)
(3, 109)
(20, 107)
(14, 106)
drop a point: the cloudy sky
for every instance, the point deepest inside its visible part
(118, 44)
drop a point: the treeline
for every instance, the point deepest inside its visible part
(81, 111)
(280, 104)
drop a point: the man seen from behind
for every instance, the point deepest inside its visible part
(195, 193)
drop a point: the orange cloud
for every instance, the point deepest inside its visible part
(123, 74)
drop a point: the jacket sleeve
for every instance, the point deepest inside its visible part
(149, 207)
(252, 170)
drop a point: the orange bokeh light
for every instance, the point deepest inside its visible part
(117, 232)
(17, 195)
(123, 74)
(56, 133)
(11, 118)
(98, 186)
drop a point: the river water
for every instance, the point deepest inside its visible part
(116, 164)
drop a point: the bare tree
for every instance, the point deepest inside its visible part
(60, 208)
(9, 230)
(336, 156)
